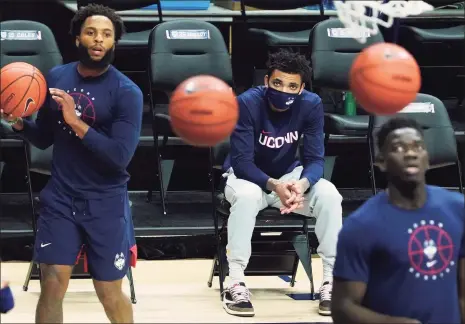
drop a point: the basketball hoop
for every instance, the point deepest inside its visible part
(356, 14)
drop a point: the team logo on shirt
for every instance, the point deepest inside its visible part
(269, 141)
(430, 250)
(84, 107)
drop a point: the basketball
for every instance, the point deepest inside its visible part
(23, 89)
(384, 78)
(203, 111)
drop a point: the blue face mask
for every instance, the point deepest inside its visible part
(280, 100)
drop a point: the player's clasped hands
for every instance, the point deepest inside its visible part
(291, 195)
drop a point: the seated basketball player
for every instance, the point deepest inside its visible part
(263, 171)
(93, 118)
(399, 255)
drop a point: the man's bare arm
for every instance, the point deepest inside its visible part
(346, 306)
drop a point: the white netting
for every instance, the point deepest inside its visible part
(356, 14)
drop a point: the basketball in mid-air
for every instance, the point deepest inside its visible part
(384, 78)
(23, 89)
(203, 111)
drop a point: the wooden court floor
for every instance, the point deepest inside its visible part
(173, 292)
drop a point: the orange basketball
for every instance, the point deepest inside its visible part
(23, 89)
(385, 78)
(203, 110)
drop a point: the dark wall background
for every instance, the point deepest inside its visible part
(191, 167)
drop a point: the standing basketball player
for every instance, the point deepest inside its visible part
(93, 118)
(399, 255)
(262, 171)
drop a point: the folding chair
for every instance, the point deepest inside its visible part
(41, 51)
(438, 133)
(291, 234)
(331, 57)
(439, 53)
(272, 39)
(180, 49)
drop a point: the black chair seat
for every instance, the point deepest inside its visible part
(222, 207)
(277, 38)
(163, 125)
(346, 125)
(456, 33)
(135, 39)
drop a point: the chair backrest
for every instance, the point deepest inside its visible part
(279, 4)
(119, 4)
(183, 48)
(29, 41)
(439, 133)
(33, 43)
(220, 152)
(332, 50)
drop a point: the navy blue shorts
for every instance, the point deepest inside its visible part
(102, 228)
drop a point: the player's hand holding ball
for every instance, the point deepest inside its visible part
(67, 104)
(15, 122)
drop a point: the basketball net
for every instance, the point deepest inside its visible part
(363, 17)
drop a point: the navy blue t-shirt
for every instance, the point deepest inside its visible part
(407, 258)
(111, 104)
(264, 143)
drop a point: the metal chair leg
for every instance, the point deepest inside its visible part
(33, 217)
(294, 271)
(212, 272)
(160, 175)
(28, 276)
(131, 286)
(460, 176)
(312, 286)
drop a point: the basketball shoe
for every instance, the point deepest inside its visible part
(236, 300)
(325, 298)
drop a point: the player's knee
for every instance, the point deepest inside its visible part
(54, 280)
(109, 293)
(327, 195)
(249, 194)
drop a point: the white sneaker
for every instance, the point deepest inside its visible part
(236, 300)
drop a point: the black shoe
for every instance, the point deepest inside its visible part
(325, 299)
(236, 300)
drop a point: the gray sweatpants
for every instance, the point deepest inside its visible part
(246, 198)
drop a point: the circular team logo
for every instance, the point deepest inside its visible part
(430, 250)
(84, 105)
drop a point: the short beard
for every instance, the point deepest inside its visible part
(88, 62)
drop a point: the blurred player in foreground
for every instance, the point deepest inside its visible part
(401, 255)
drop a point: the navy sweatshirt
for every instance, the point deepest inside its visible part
(111, 104)
(264, 143)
